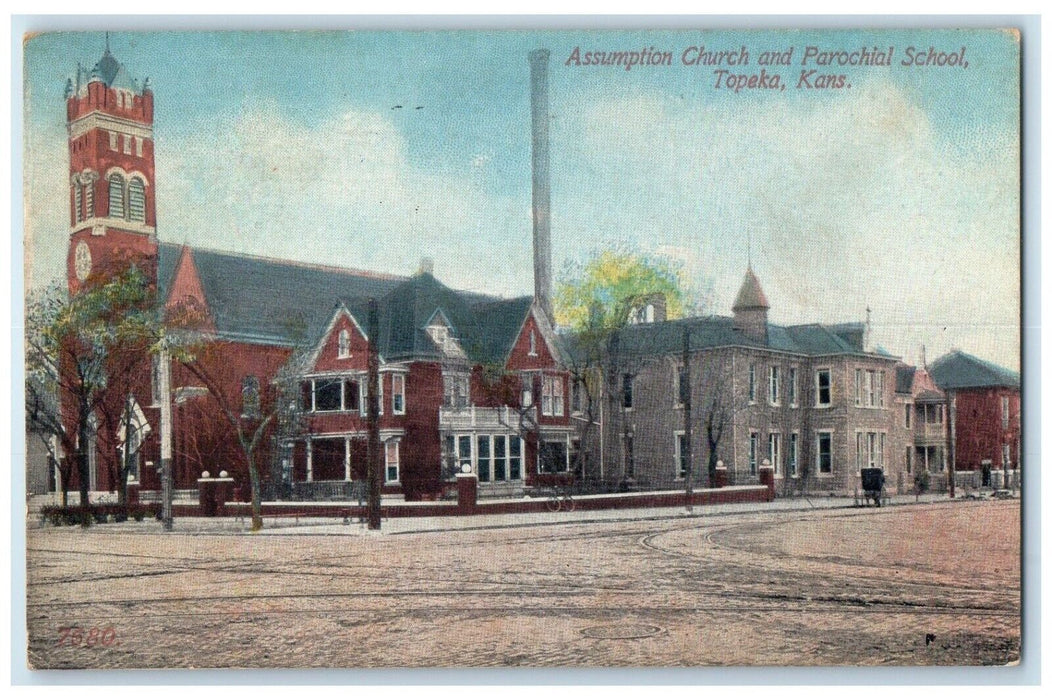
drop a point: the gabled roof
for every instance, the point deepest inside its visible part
(959, 370)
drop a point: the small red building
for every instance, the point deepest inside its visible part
(985, 416)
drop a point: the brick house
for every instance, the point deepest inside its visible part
(925, 422)
(813, 399)
(985, 413)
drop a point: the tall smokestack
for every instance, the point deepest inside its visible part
(542, 234)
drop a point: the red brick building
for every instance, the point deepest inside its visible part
(468, 381)
(984, 403)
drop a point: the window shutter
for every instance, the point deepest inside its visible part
(116, 196)
(137, 200)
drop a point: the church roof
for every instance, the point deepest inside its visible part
(289, 303)
(959, 370)
(267, 300)
(750, 295)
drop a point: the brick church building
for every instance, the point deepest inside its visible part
(468, 381)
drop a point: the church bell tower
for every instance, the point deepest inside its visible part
(109, 118)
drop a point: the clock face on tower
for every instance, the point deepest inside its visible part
(82, 261)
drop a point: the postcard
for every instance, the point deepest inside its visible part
(637, 348)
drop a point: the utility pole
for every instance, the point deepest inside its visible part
(684, 390)
(373, 421)
(952, 464)
(165, 380)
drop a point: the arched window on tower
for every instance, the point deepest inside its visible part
(137, 200)
(116, 196)
(89, 196)
(77, 204)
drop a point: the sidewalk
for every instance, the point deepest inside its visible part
(404, 526)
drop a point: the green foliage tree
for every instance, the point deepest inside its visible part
(85, 352)
(594, 302)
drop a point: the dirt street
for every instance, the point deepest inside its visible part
(906, 585)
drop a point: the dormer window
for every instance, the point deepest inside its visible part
(344, 344)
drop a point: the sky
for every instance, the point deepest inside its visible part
(898, 192)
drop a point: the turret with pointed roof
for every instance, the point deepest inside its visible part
(750, 308)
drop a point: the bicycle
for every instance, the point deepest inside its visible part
(560, 498)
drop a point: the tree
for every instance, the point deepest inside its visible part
(85, 354)
(597, 302)
(250, 405)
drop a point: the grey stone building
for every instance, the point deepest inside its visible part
(816, 400)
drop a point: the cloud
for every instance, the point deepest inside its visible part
(343, 192)
(846, 202)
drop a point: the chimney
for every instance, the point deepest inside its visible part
(542, 235)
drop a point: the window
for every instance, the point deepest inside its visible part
(772, 386)
(514, 457)
(484, 459)
(880, 449)
(116, 196)
(792, 386)
(626, 390)
(137, 200)
(328, 395)
(533, 343)
(858, 387)
(824, 453)
(907, 410)
(398, 394)
(250, 397)
(89, 198)
(343, 344)
(823, 387)
(909, 459)
(352, 395)
(753, 444)
(127, 144)
(363, 396)
(794, 453)
(464, 452)
(682, 386)
(113, 140)
(1006, 456)
(552, 396)
(774, 452)
(391, 460)
(456, 390)
(78, 214)
(682, 454)
(874, 458)
(880, 388)
(1004, 412)
(138, 148)
(553, 457)
(500, 457)
(527, 390)
(752, 383)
